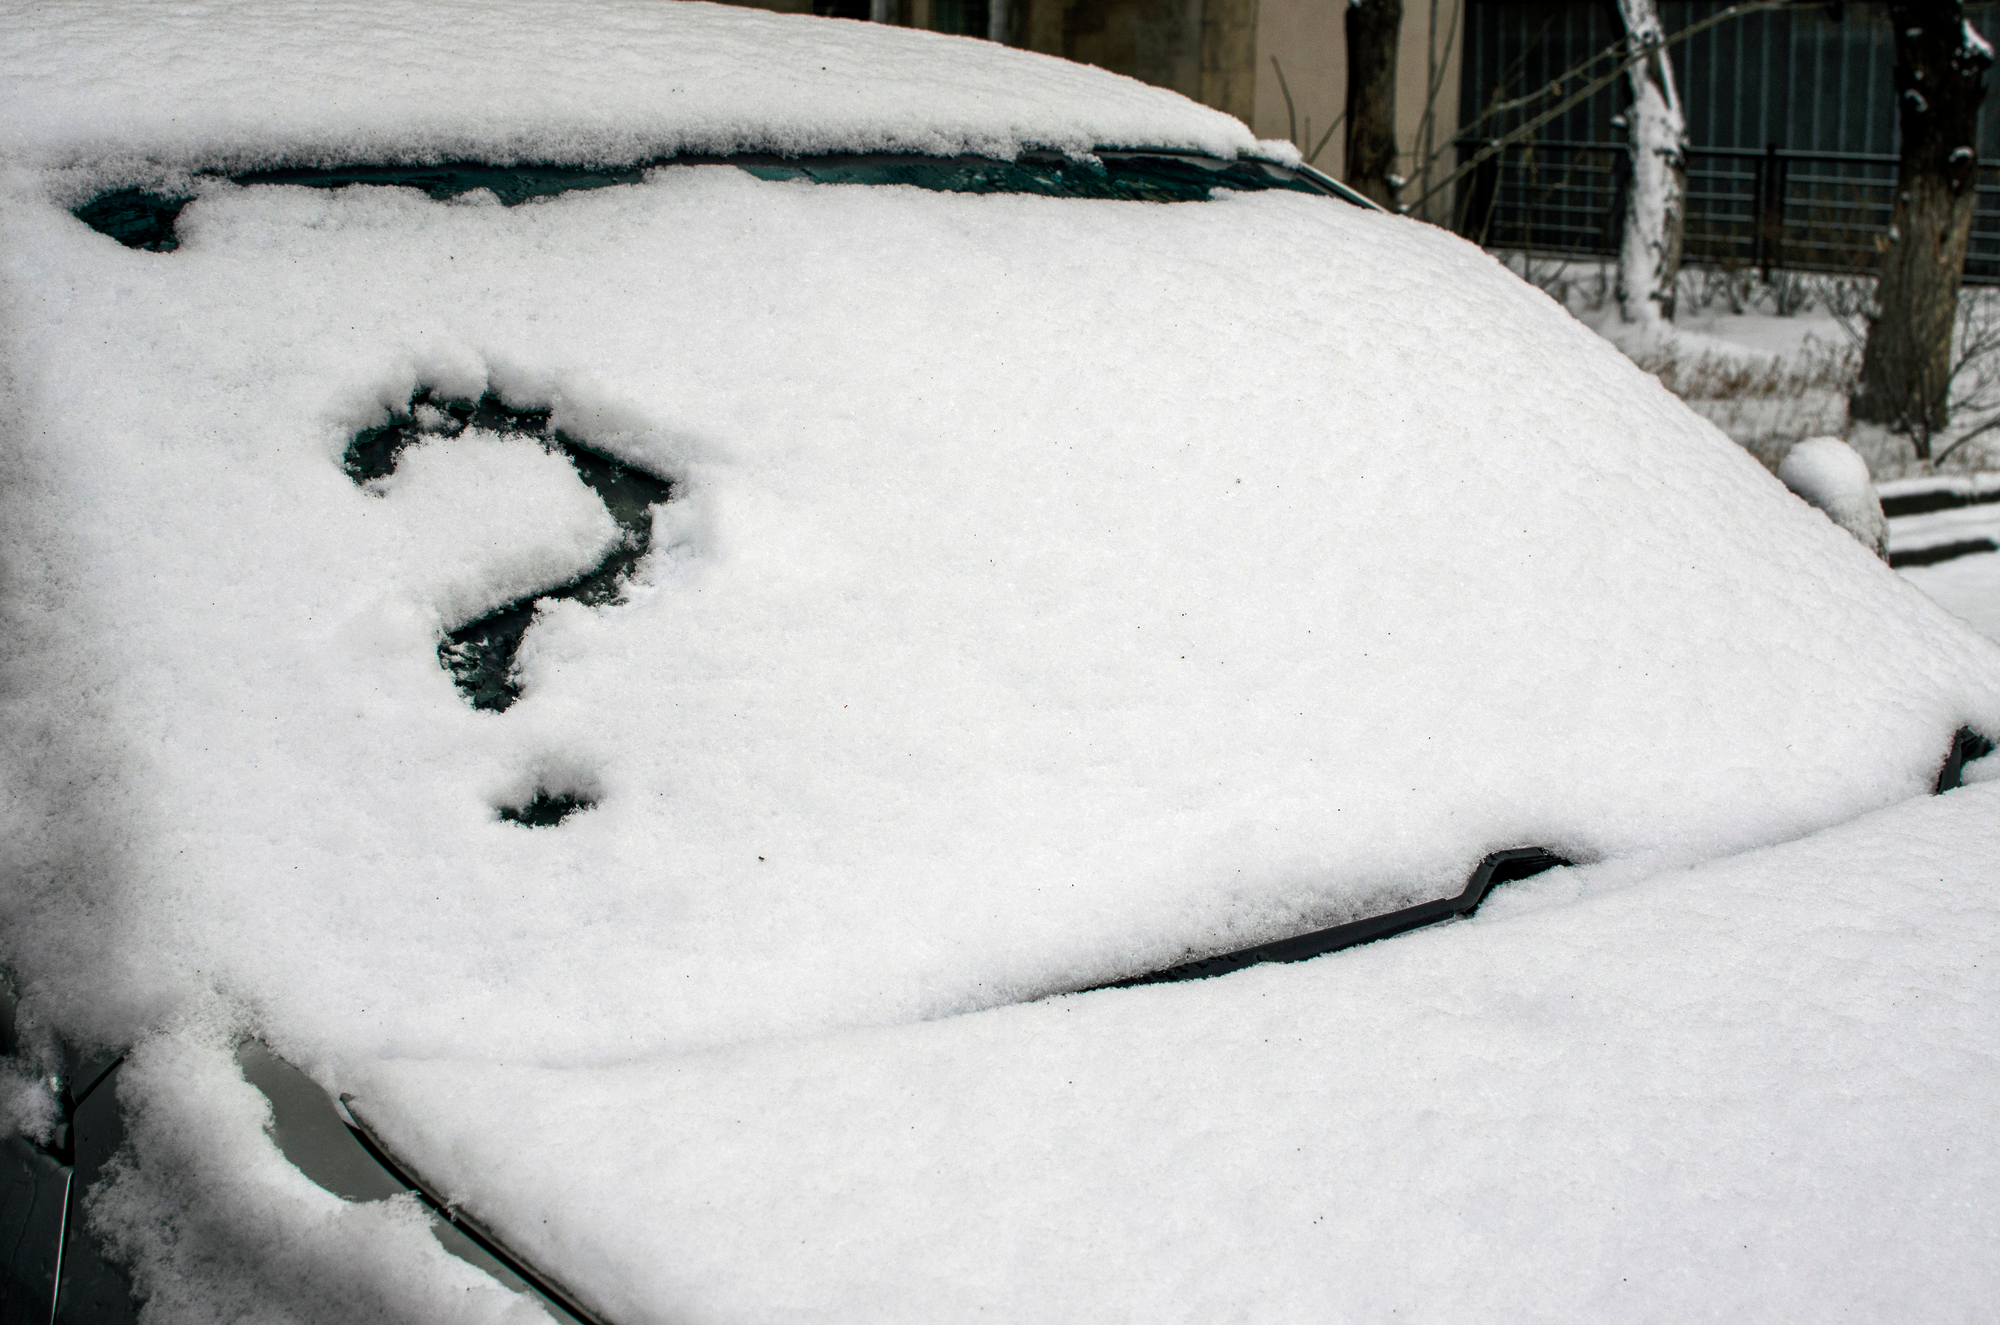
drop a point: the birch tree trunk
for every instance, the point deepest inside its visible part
(1374, 29)
(1906, 365)
(1649, 256)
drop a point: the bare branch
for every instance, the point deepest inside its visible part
(1592, 88)
(1291, 115)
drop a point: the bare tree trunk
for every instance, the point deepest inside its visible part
(1649, 257)
(1374, 28)
(1906, 365)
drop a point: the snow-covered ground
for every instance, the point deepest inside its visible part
(1968, 587)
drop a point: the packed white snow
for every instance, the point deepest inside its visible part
(217, 1224)
(133, 89)
(1829, 474)
(1758, 1089)
(1053, 589)
(1101, 588)
(520, 510)
(1967, 587)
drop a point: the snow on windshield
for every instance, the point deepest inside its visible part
(1051, 589)
(266, 82)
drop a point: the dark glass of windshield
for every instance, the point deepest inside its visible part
(1124, 176)
(1121, 176)
(144, 219)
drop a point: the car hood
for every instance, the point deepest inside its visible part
(1758, 1087)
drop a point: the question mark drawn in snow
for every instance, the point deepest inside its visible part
(480, 654)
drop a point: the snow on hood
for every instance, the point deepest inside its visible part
(1760, 1088)
(240, 83)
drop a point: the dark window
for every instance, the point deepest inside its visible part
(967, 18)
(138, 218)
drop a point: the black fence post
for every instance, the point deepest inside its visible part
(1621, 184)
(1761, 172)
(1769, 217)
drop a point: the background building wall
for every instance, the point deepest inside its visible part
(1229, 54)
(1155, 41)
(1306, 41)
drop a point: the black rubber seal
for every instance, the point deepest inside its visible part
(1498, 868)
(1966, 746)
(485, 1241)
(143, 219)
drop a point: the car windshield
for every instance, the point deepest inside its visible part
(144, 218)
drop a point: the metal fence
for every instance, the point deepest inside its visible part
(1801, 211)
(1791, 124)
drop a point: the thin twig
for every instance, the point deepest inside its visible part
(1313, 155)
(1427, 130)
(1553, 87)
(1291, 116)
(1990, 425)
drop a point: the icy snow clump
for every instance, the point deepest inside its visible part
(1830, 474)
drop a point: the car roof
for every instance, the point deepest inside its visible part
(238, 86)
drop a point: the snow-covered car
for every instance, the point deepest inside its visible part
(611, 608)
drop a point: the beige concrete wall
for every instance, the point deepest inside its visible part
(1156, 41)
(1308, 39)
(1229, 56)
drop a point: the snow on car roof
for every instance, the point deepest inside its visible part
(240, 83)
